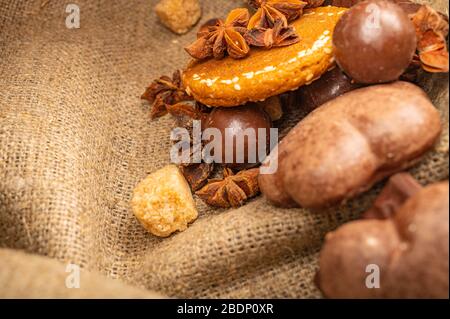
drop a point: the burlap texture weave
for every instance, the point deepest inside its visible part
(75, 139)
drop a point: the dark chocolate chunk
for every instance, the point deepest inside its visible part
(329, 86)
(398, 189)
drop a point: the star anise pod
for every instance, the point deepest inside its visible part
(270, 11)
(231, 191)
(184, 113)
(163, 93)
(431, 31)
(277, 36)
(197, 174)
(216, 37)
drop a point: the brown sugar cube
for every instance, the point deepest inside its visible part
(179, 15)
(163, 202)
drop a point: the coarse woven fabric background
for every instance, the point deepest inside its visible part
(75, 139)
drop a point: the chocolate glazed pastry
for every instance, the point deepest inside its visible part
(409, 247)
(374, 42)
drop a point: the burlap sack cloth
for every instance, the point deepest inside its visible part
(75, 139)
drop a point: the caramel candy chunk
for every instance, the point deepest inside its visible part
(179, 15)
(163, 202)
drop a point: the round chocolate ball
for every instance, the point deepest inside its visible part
(329, 86)
(236, 123)
(374, 41)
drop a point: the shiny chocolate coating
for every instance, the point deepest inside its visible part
(408, 6)
(344, 3)
(329, 86)
(374, 41)
(238, 119)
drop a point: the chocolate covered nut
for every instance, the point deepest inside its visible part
(234, 122)
(349, 143)
(329, 86)
(374, 41)
(405, 255)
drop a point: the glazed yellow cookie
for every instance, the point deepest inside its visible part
(265, 73)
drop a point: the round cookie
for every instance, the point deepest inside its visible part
(265, 73)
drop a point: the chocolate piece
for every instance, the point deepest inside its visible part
(406, 256)
(374, 41)
(408, 6)
(289, 101)
(344, 3)
(350, 143)
(238, 119)
(329, 86)
(314, 3)
(398, 189)
(273, 106)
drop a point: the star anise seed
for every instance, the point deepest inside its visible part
(277, 36)
(231, 191)
(216, 37)
(188, 108)
(270, 11)
(197, 174)
(431, 31)
(164, 92)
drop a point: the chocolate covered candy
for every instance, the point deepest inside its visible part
(351, 142)
(374, 41)
(408, 6)
(330, 85)
(404, 254)
(344, 3)
(237, 120)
